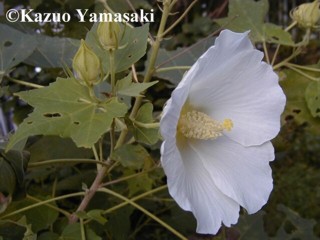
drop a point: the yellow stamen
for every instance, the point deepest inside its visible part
(199, 125)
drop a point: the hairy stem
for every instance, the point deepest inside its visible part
(24, 83)
(145, 211)
(43, 203)
(151, 66)
(89, 193)
(64, 161)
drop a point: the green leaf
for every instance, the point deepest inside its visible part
(40, 217)
(48, 236)
(29, 234)
(140, 184)
(15, 47)
(74, 182)
(10, 230)
(97, 215)
(126, 87)
(73, 232)
(51, 147)
(251, 226)
(294, 86)
(179, 57)
(247, 15)
(53, 52)
(145, 135)
(131, 155)
(303, 228)
(119, 223)
(7, 178)
(65, 108)
(275, 34)
(12, 171)
(18, 161)
(312, 95)
(133, 47)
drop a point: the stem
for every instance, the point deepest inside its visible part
(67, 214)
(83, 233)
(275, 54)
(165, 69)
(127, 177)
(146, 125)
(145, 211)
(102, 170)
(151, 66)
(134, 73)
(112, 138)
(89, 193)
(266, 51)
(96, 156)
(303, 73)
(44, 203)
(284, 62)
(278, 46)
(180, 18)
(291, 26)
(134, 10)
(63, 161)
(24, 83)
(303, 67)
(112, 72)
(100, 149)
(135, 198)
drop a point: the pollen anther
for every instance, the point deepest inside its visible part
(199, 125)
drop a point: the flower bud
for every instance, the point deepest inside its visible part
(109, 34)
(86, 65)
(307, 15)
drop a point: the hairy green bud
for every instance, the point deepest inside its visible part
(109, 34)
(86, 65)
(307, 15)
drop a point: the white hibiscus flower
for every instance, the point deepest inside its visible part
(217, 128)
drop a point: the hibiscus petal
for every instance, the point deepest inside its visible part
(193, 188)
(242, 173)
(172, 109)
(244, 89)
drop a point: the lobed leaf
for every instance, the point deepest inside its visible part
(251, 226)
(132, 156)
(15, 47)
(65, 108)
(145, 135)
(312, 96)
(247, 15)
(294, 87)
(303, 228)
(73, 232)
(179, 57)
(126, 87)
(53, 52)
(133, 46)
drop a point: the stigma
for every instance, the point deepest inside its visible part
(198, 125)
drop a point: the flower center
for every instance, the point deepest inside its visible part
(199, 125)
